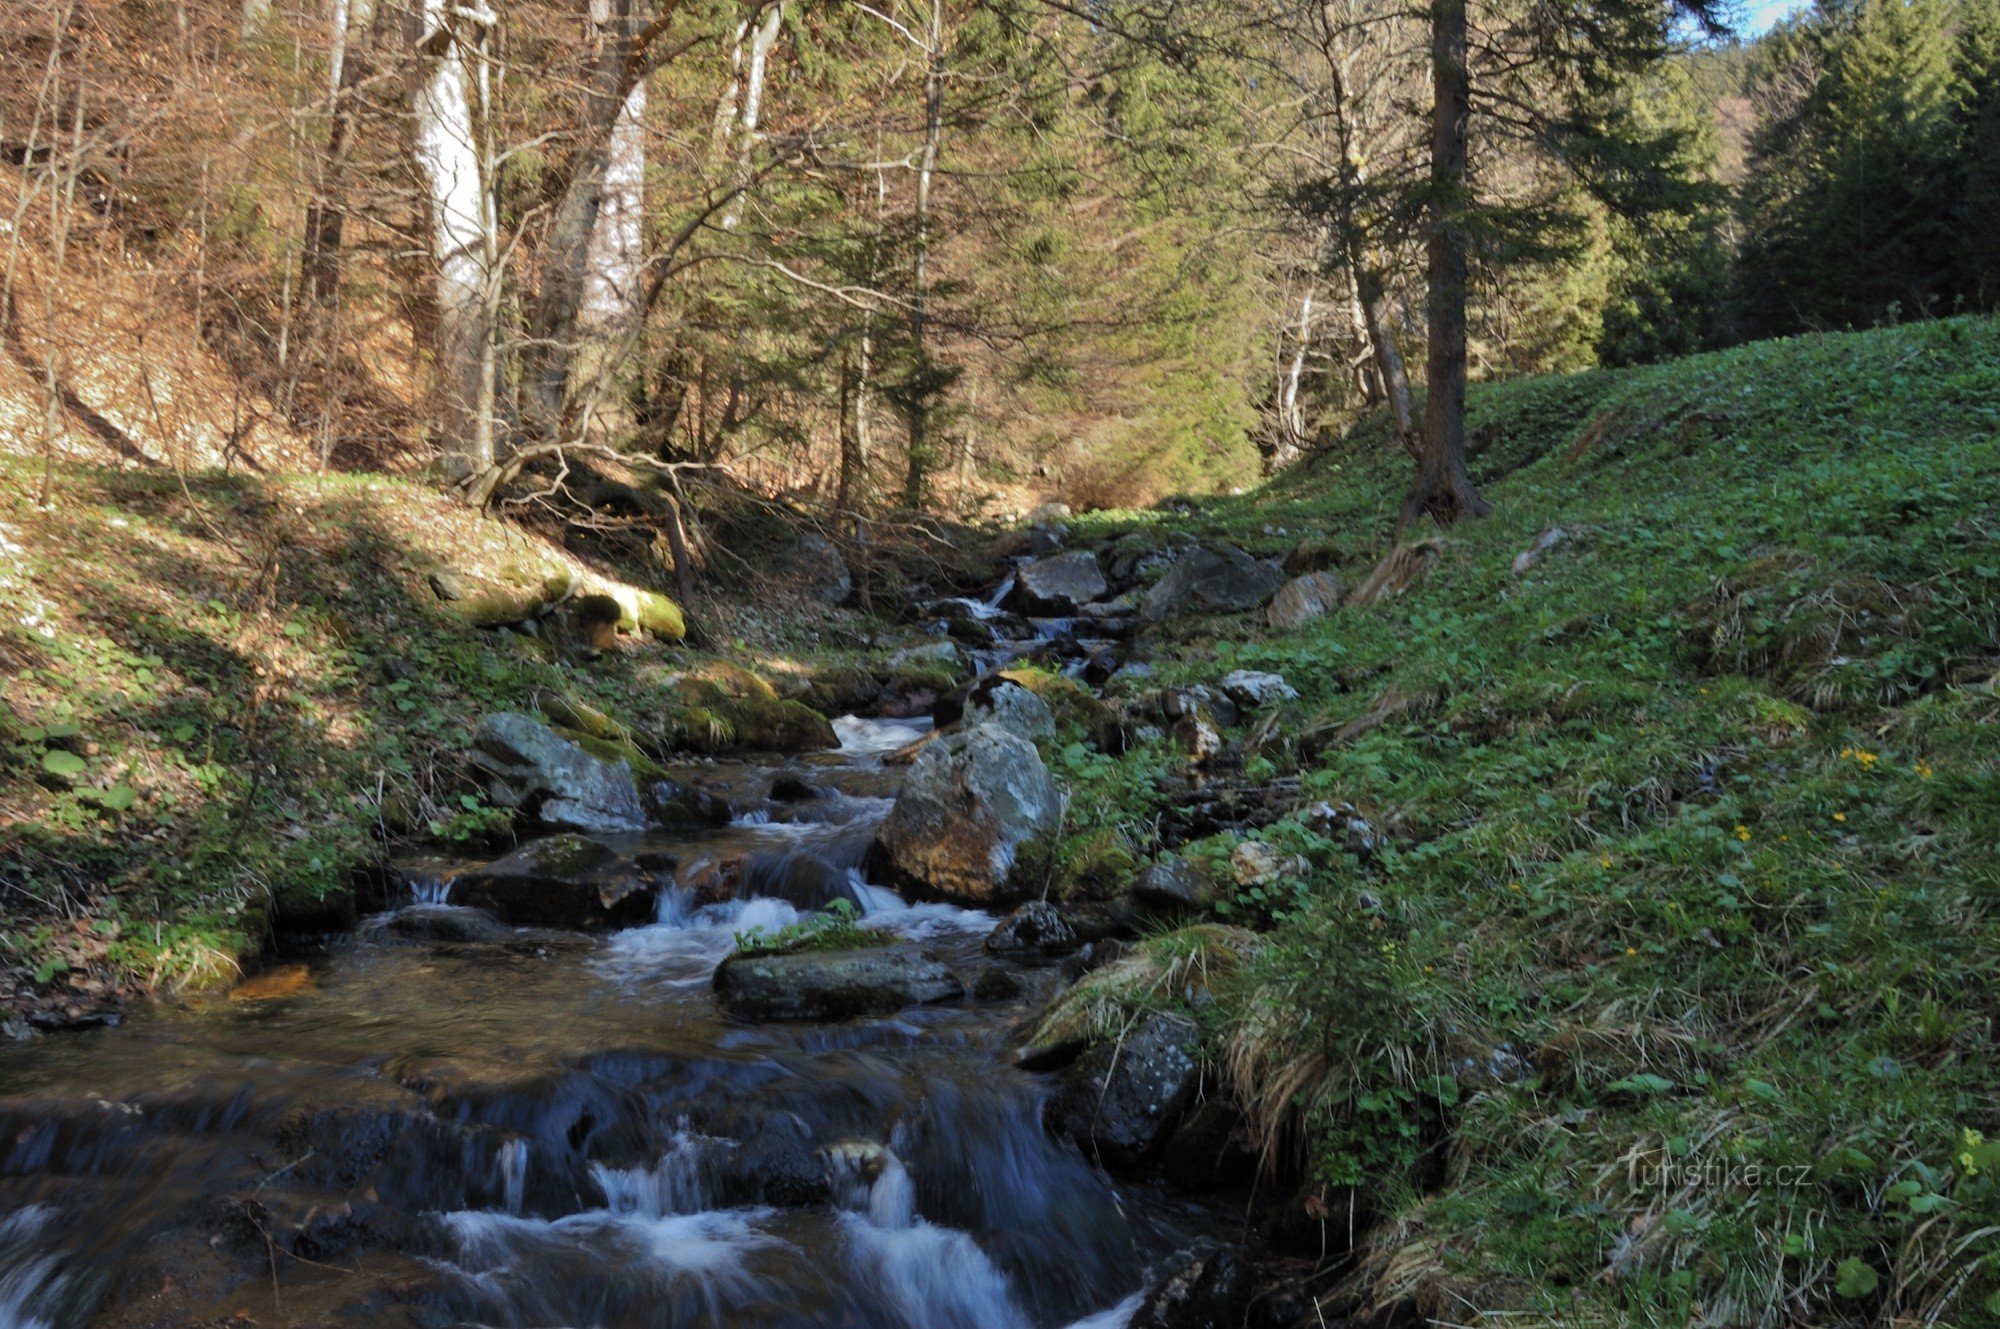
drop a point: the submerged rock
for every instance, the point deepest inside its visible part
(447, 924)
(565, 881)
(1059, 584)
(531, 767)
(833, 985)
(1205, 581)
(1302, 600)
(1122, 1100)
(971, 800)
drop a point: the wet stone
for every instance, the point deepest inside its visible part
(1123, 1101)
(833, 985)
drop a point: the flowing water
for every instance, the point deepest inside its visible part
(507, 1127)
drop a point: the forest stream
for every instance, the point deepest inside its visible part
(444, 1120)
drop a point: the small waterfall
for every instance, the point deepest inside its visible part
(1006, 588)
(430, 890)
(931, 1276)
(678, 1183)
(514, 1174)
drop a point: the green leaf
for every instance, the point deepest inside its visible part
(50, 967)
(1854, 1277)
(1763, 1089)
(1642, 1084)
(183, 732)
(118, 798)
(58, 762)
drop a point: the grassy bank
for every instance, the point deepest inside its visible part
(226, 698)
(1671, 997)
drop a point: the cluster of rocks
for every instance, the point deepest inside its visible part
(976, 813)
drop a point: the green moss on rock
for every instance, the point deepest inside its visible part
(726, 708)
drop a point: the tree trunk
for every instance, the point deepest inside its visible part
(1394, 377)
(853, 482)
(566, 269)
(744, 129)
(1443, 488)
(918, 408)
(614, 253)
(1369, 292)
(1291, 418)
(448, 157)
(326, 212)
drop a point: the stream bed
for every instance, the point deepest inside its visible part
(443, 1121)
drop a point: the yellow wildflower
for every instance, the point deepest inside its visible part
(1840, 816)
(1923, 769)
(1743, 834)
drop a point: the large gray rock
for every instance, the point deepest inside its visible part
(970, 801)
(1302, 600)
(1208, 581)
(531, 767)
(823, 570)
(833, 985)
(1121, 1101)
(563, 881)
(1003, 702)
(1059, 584)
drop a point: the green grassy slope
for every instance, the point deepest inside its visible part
(1696, 822)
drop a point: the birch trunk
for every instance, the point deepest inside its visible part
(448, 158)
(1291, 419)
(744, 131)
(614, 250)
(574, 230)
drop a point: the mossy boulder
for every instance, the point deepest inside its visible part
(840, 689)
(726, 708)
